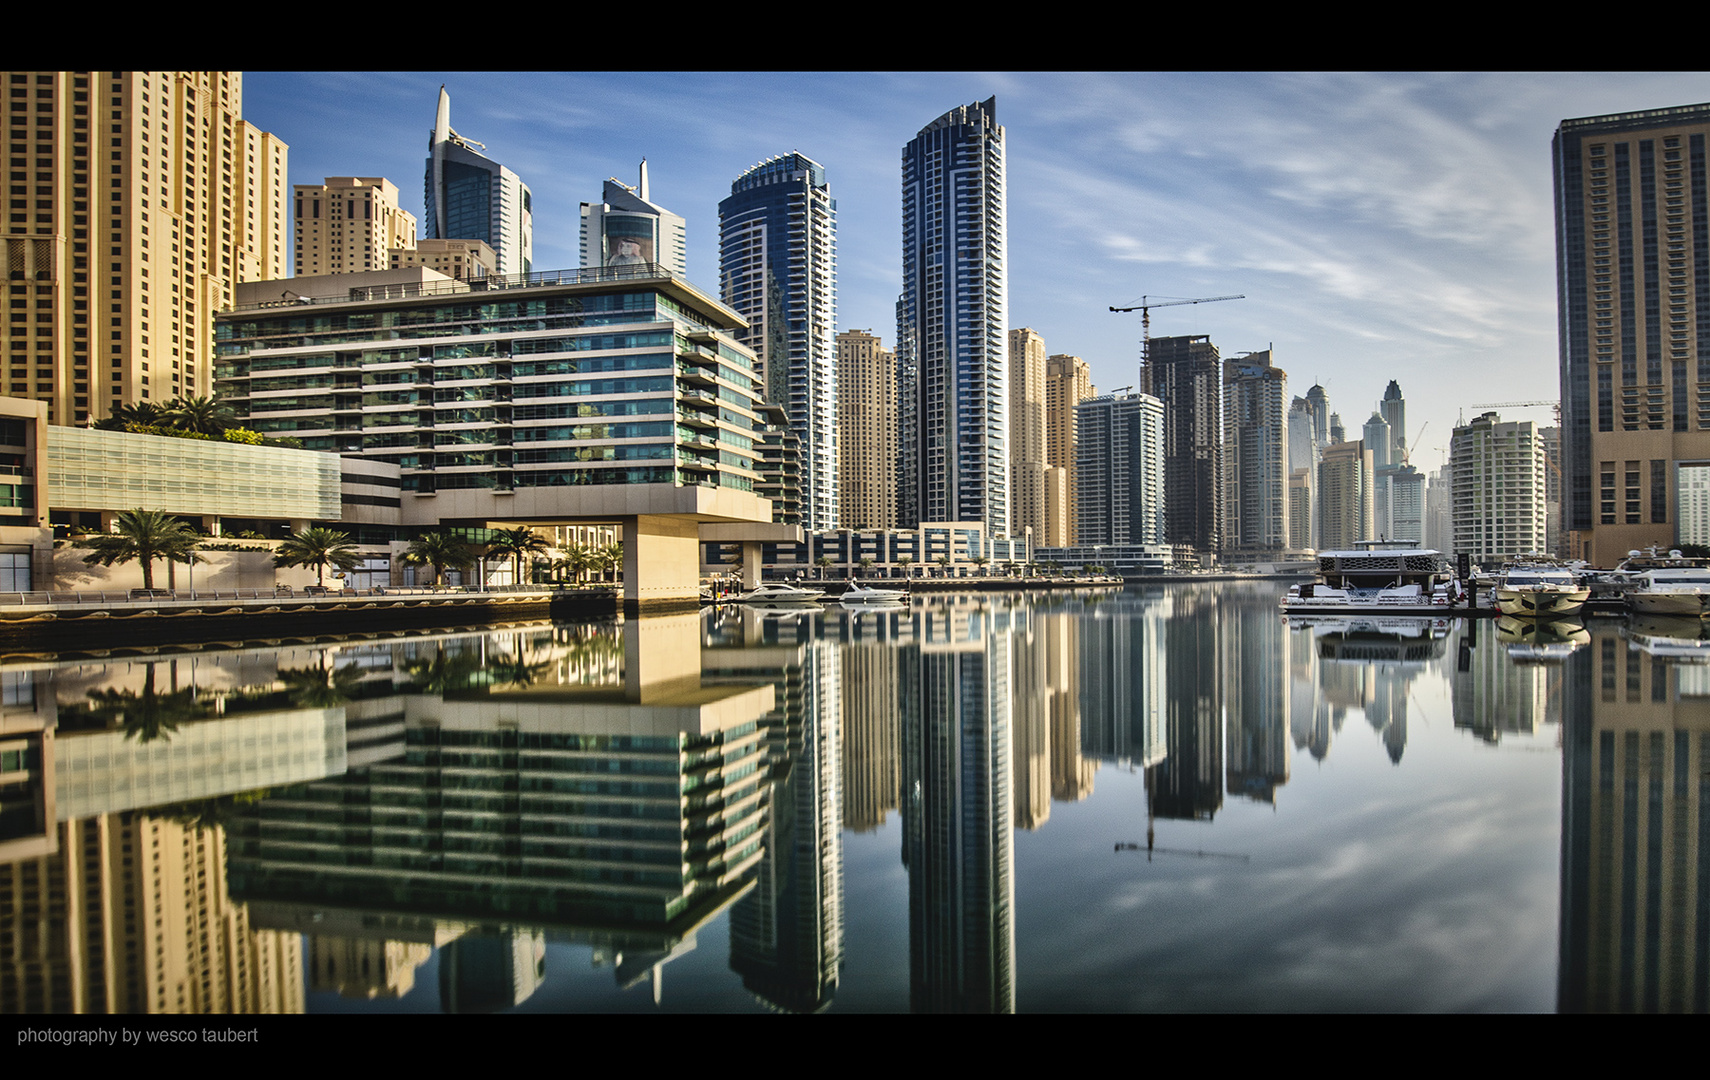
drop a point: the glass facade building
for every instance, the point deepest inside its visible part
(778, 269)
(469, 197)
(508, 385)
(952, 321)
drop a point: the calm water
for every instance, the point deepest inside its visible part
(1156, 800)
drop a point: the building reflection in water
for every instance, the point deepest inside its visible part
(786, 935)
(1364, 663)
(1635, 907)
(576, 784)
(958, 831)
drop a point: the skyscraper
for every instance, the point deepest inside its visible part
(1031, 478)
(1632, 239)
(777, 256)
(625, 228)
(470, 197)
(1394, 410)
(866, 432)
(349, 224)
(1068, 382)
(1496, 490)
(116, 162)
(951, 318)
(1183, 373)
(1255, 462)
(1344, 496)
(1121, 469)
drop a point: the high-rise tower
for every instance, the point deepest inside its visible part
(1068, 382)
(777, 254)
(139, 200)
(951, 318)
(1255, 456)
(866, 432)
(470, 197)
(1183, 373)
(1037, 493)
(349, 224)
(626, 228)
(1632, 285)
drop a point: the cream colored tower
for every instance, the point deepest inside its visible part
(349, 224)
(1068, 382)
(1030, 480)
(137, 201)
(867, 431)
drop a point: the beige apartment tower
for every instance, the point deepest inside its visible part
(1068, 382)
(349, 224)
(866, 431)
(1632, 266)
(465, 260)
(1033, 480)
(137, 201)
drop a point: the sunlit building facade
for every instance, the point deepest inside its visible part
(778, 270)
(148, 198)
(951, 320)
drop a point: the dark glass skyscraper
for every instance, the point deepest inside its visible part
(952, 321)
(778, 269)
(1185, 374)
(469, 197)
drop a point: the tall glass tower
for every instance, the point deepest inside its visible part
(777, 257)
(951, 321)
(470, 197)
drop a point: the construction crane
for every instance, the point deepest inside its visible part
(1556, 405)
(1407, 454)
(1145, 310)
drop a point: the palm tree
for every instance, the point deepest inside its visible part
(318, 548)
(609, 556)
(145, 535)
(905, 561)
(442, 551)
(142, 413)
(516, 543)
(866, 565)
(825, 562)
(200, 414)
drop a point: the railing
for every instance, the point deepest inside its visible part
(584, 276)
(311, 593)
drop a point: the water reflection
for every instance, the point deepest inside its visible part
(1635, 926)
(878, 810)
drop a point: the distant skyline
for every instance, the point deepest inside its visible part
(1381, 226)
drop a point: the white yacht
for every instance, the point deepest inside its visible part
(1397, 579)
(871, 594)
(1671, 585)
(1540, 590)
(780, 592)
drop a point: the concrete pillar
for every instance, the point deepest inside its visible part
(661, 565)
(750, 564)
(298, 525)
(211, 522)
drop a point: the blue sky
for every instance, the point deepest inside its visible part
(1380, 225)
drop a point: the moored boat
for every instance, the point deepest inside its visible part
(1540, 589)
(778, 592)
(1397, 579)
(1666, 585)
(869, 594)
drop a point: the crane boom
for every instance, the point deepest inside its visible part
(1145, 310)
